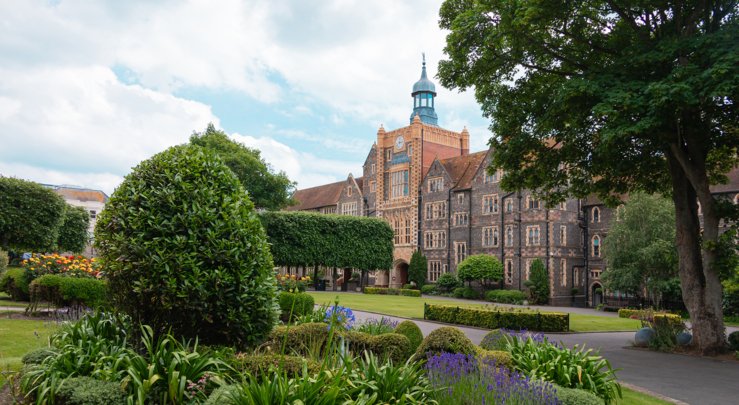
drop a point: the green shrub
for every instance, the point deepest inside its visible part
(428, 289)
(15, 282)
(392, 291)
(506, 296)
(264, 364)
(4, 259)
(538, 283)
(500, 357)
(446, 339)
(459, 292)
(63, 291)
(410, 330)
(39, 355)
(30, 215)
(734, 340)
(574, 396)
(447, 282)
(417, 269)
(640, 313)
(297, 304)
(299, 338)
(569, 368)
(390, 346)
(73, 231)
(494, 340)
(184, 249)
(222, 395)
(499, 318)
(89, 391)
(470, 293)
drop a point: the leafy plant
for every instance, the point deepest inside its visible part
(538, 283)
(184, 250)
(569, 368)
(89, 391)
(447, 282)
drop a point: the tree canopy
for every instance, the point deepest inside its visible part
(610, 97)
(640, 247)
(310, 239)
(267, 189)
(30, 215)
(73, 233)
(483, 268)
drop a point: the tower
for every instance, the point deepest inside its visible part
(423, 95)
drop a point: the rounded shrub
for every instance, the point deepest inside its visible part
(494, 340)
(184, 249)
(499, 357)
(391, 346)
(445, 340)
(459, 292)
(505, 296)
(38, 356)
(89, 391)
(297, 304)
(574, 396)
(734, 340)
(428, 289)
(447, 282)
(410, 330)
(470, 293)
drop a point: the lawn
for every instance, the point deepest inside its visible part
(6, 301)
(18, 337)
(412, 307)
(632, 397)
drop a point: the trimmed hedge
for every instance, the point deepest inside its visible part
(506, 296)
(63, 291)
(490, 319)
(392, 291)
(308, 336)
(264, 364)
(574, 396)
(299, 303)
(447, 339)
(630, 312)
(500, 357)
(410, 330)
(15, 283)
(89, 391)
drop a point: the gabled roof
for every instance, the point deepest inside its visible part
(317, 197)
(360, 183)
(79, 193)
(462, 169)
(731, 185)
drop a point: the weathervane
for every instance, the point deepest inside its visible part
(423, 55)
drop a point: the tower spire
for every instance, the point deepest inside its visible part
(423, 95)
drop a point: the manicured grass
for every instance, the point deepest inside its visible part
(631, 397)
(412, 307)
(18, 337)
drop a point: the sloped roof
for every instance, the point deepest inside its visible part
(360, 183)
(317, 197)
(79, 193)
(732, 185)
(462, 169)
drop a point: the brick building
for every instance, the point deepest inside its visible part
(439, 199)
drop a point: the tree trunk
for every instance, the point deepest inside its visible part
(699, 280)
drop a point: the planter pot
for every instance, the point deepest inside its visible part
(684, 338)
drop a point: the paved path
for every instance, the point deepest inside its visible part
(694, 380)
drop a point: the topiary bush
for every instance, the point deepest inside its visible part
(297, 304)
(445, 340)
(447, 282)
(500, 357)
(573, 396)
(494, 340)
(89, 391)
(183, 249)
(410, 330)
(734, 340)
(428, 289)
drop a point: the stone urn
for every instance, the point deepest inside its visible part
(643, 337)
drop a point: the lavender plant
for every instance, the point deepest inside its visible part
(465, 379)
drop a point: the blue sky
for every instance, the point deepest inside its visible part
(90, 89)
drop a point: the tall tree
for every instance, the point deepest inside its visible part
(538, 283)
(30, 215)
(73, 234)
(610, 97)
(267, 189)
(640, 247)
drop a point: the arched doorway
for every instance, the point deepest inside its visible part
(597, 294)
(400, 274)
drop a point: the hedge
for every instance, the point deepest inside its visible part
(310, 239)
(297, 304)
(63, 291)
(491, 319)
(630, 312)
(392, 291)
(506, 296)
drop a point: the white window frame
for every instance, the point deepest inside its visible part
(436, 184)
(533, 235)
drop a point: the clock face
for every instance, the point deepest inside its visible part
(399, 142)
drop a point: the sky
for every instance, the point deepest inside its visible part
(90, 89)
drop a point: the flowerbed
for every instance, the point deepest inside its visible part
(498, 317)
(392, 291)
